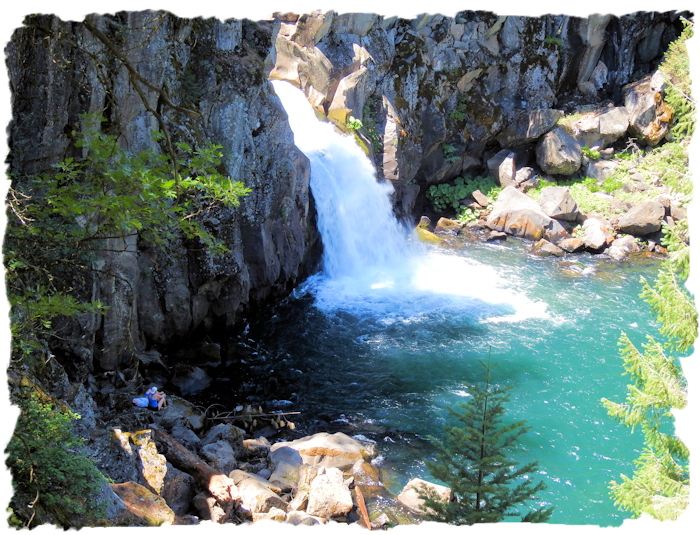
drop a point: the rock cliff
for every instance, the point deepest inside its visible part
(436, 96)
(439, 96)
(60, 70)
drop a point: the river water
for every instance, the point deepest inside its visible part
(391, 333)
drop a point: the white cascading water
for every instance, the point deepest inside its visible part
(370, 264)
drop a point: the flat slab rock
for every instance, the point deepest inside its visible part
(324, 449)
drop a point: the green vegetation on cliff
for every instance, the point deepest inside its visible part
(50, 477)
(60, 224)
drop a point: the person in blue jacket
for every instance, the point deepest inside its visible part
(156, 400)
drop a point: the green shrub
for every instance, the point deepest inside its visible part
(676, 71)
(593, 154)
(443, 196)
(52, 478)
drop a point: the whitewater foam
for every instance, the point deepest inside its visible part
(372, 267)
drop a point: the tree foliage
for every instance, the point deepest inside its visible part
(51, 477)
(660, 485)
(473, 461)
(61, 222)
(676, 71)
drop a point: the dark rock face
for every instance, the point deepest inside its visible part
(444, 92)
(216, 69)
(439, 96)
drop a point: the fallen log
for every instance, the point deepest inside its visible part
(219, 485)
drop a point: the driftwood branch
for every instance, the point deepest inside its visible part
(362, 507)
(219, 485)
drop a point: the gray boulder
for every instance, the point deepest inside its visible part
(178, 490)
(558, 153)
(286, 463)
(257, 494)
(601, 169)
(649, 116)
(601, 128)
(557, 202)
(519, 215)
(220, 456)
(228, 432)
(621, 248)
(502, 166)
(642, 219)
(596, 234)
(527, 126)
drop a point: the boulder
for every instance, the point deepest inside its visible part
(502, 166)
(330, 450)
(257, 447)
(596, 234)
(642, 219)
(649, 115)
(185, 436)
(524, 175)
(558, 153)
(527, 126)
(300, 518)
(447, 226)
(410, 495)
(557, 203)
(278, 515)
(145, 507)
(209, 508)
(178, 490)
(257, 494)
(571, 245)
(286, 463)
(601, 169)
(329, 495)
(621, 248)
(152, 464)
(480, 198)
(190, 379)
(228, 432)
(219, 455)
(519, 215)
(545, 248)
(181, 412)
(601, 128)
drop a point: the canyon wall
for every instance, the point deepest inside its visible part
(437, 97)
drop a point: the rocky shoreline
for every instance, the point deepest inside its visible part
(162, 464)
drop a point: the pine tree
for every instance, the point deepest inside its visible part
(472, 461)
(660, 485)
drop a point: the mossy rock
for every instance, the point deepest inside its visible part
(428, 237)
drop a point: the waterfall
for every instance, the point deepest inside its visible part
(359, 231)
(371, 266)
